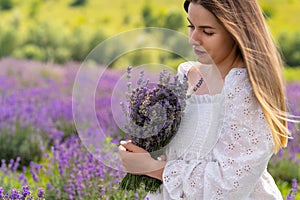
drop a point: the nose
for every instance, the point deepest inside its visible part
(195, 37)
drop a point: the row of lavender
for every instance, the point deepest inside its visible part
(41, 151)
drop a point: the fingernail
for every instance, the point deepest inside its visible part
(159, 158)
(123, 142)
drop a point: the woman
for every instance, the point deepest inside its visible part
(225, 155)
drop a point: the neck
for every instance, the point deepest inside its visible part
(234, 61)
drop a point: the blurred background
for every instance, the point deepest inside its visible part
(42, 45)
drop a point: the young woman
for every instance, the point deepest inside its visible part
(226, 139)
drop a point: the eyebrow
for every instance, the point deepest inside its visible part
(202, 26)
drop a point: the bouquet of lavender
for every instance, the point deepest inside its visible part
(154, 112)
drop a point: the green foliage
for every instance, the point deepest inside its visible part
(34, 8)
(268, 11)
(30, 51)
(31, 31)
(284, 187)
(149, 19)
(6, 4)
(173, 20)
(78, 44)
(78, 3)
(20, 141)
(96, 38)
(9, 180)
(284, 169)
(48, 42)
(290, 45)
(67, 128)
(8, 41)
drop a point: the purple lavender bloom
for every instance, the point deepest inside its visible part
(1, 192)
(14, 194)
(26, 191)
(293, 192)
(155, 112)
(41, 193)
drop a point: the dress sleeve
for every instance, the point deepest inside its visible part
(184, 68)
(239, 157)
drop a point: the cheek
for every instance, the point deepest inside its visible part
(213, 47)
(219, 48)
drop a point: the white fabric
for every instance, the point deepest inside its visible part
(222, 147)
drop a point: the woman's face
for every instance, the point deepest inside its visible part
(210, 40)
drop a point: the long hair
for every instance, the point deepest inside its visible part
(244, 20)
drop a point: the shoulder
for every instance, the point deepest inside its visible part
(185, 67)
(194, 71)
(238, 90)
(236, 81)
(237, 75)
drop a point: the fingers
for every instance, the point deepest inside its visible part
(121, 148)
(131, 147)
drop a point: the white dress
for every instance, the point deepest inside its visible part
(222, 147)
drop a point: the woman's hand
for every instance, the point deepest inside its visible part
(138, 161)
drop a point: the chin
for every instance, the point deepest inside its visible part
(205, 60)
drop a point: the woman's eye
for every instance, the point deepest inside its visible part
(208, 33)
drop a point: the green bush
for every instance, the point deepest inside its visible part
(48, 38)
(20, 142)
(8, 41)
(147, 16)
(173, 20)
(96, 38)
(67, 128)
(78, 3)
(284, 169)
(268, 11)
(8, 179)
(78, 44)
(6, 4)
(30, 51)
(290, 45)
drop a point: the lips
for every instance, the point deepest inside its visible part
(199, 51)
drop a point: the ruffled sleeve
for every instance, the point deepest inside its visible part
(184, 68)
(240, 156)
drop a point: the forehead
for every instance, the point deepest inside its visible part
(199, 15)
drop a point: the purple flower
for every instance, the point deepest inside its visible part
(14, 194)
(1, 192)
(40, 193)
(155, 112)
(26, 191)
(293, 192)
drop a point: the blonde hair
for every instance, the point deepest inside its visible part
(244, 20)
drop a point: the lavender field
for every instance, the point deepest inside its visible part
(42, 156)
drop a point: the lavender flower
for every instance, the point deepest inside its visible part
(26, 191)
(1, 192)
(155, 112)
(293, 192)
(41, 193)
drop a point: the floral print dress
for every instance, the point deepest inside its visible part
(222, 147)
